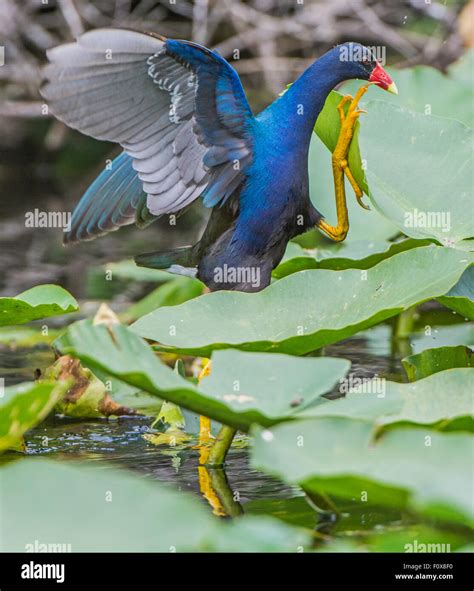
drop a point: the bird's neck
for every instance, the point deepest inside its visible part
(300, 106)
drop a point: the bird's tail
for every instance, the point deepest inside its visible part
(177, 260)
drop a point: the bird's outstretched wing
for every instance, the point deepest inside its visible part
(178, 110)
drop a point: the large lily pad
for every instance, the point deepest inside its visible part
(23, 406)
(155, 518)
(432, 361)
(171, 293)
(282, 384)
(356, 254)
(124, 355)
(129, 396)
(26, 336)
(461, 297)
(435, 400)
(443, 336)
(417, 182)
(392, 172)
(425, 90)
(39, 302)
(306, 310)
(427, 471)
(418, 539)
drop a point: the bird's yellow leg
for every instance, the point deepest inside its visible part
(205, 435)
(352, 113)
(340, 167)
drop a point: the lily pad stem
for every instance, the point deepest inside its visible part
(221, 446)
(405, 323)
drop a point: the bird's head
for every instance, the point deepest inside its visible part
(365, 66)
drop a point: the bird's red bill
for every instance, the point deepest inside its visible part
(380, 77)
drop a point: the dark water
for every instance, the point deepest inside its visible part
(120, 444)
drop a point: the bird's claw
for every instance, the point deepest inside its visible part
(340, 107)
(355, 185)
(361, 203)
(348, 122)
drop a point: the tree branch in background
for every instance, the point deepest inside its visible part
(276, 39)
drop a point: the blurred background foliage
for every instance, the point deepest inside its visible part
(44, 165)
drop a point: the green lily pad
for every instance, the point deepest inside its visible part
(426, 471)
(340, 546)
(418, 183)
(170, 416)
(259, 534)
(26, 336)
(171, 293)
(417, 539)
(360, 254)
(172, 437)
(435, 360)
(281, 385)
(435, 400)
(155, 518)
(129, 396)
(425, 90)
(461, 297)
(39, 302)
(306, 310)
(23, 406)
(421, 89)
(173, 417)
(124, 355)
(443, 336)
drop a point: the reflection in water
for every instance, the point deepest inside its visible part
(121, 444)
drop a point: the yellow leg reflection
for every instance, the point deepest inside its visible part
(215, 488)
(205, 484)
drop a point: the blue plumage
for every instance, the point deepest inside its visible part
(109, 202)
(180, 113)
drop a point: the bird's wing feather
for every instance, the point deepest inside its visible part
(177, 108)
(113, 200)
